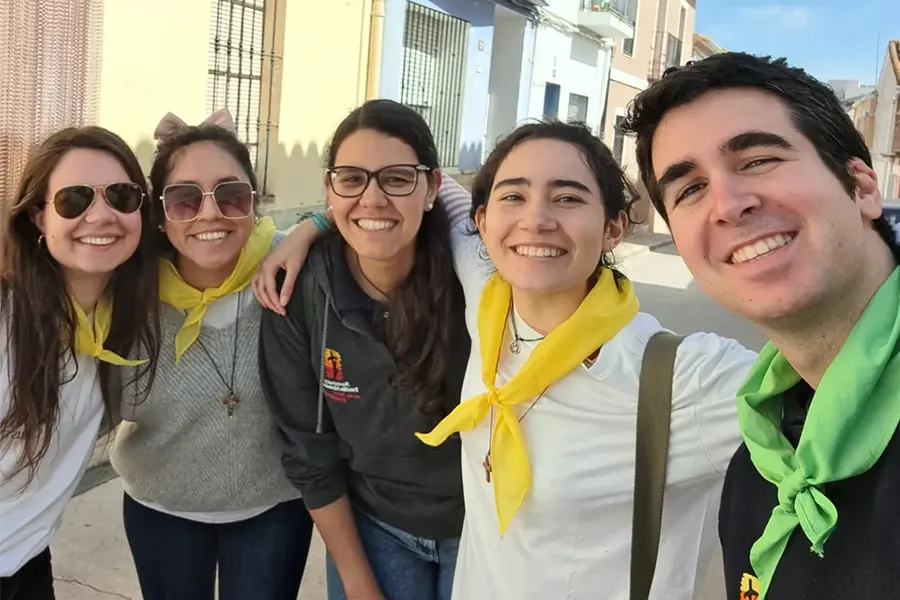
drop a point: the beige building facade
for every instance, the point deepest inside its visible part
(886, 136)
(663, 37)
(704, 47)
(288, 70)
(862, 111)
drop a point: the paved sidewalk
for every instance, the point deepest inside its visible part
(91, 559)
(639, 243)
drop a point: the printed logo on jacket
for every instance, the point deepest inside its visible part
(749, 588)
(334, 384)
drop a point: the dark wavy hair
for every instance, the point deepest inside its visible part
(164, 161)
(38, 311)
(812, 106)
(424, 309)
(616, 190)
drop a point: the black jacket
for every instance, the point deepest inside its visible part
(862, 556)
(327, 377)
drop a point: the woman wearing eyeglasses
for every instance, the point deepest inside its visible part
(372, 348)
(199, 457)
(77, 296)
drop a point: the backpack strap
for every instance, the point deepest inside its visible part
(651, 457)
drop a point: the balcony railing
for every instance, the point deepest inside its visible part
(666, 53)
(625, 9)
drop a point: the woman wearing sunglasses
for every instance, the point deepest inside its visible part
(371, 349)
(76, 298)
(199, 457)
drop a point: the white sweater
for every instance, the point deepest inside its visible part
(571, 538)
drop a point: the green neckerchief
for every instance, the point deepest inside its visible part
(851, 420)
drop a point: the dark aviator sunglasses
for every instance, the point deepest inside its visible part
(73, 201)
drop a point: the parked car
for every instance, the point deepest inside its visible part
(891, 209)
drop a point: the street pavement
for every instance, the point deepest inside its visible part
(90, 554)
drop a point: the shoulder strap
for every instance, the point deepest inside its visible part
(651, 457)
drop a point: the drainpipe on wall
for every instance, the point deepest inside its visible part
(376, 38)
(609, 56)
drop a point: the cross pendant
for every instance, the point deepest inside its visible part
(230, 401)
(487, 467)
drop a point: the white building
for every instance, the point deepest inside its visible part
(554, 64)
(850, 89)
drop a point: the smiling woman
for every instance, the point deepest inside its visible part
(199, 456)
(372, 349)
(548, 419)
(547, 422)
(77, 294)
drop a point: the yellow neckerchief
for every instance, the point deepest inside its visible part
(601, 315)
(89, 339)
(175, 291)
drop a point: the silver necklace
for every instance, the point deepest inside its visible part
(514, 345)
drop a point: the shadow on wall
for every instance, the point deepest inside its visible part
(145, 151)
(294, 180)
(290, 185)
(479, 13)
(470, 156)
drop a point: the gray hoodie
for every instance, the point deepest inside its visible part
(344, 428)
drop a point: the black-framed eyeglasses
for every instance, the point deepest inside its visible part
(182, 202)
(394, 180)
(73, 201)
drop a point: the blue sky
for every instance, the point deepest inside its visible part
(830, 39)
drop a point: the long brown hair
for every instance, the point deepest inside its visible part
(423, 311)
(38, 312)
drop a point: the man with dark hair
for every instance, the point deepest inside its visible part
(770, 195)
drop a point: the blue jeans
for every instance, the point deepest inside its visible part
(261, 558)
(406, 567)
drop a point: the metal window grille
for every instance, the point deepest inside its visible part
(666, 53)
(627, 9)
(236, 56)
(433, 80)
(673, 51)
(578, 108)
(49, 76)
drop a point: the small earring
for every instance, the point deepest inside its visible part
(40, 241)
(429, 207)
(162, 228)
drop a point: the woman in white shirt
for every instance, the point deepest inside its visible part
(75, 247)
(550, 398)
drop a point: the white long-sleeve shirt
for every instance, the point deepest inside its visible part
(30, 516)
(571, 538)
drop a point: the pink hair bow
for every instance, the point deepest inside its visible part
(171, 125)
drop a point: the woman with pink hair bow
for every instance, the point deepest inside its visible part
(199, 457)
